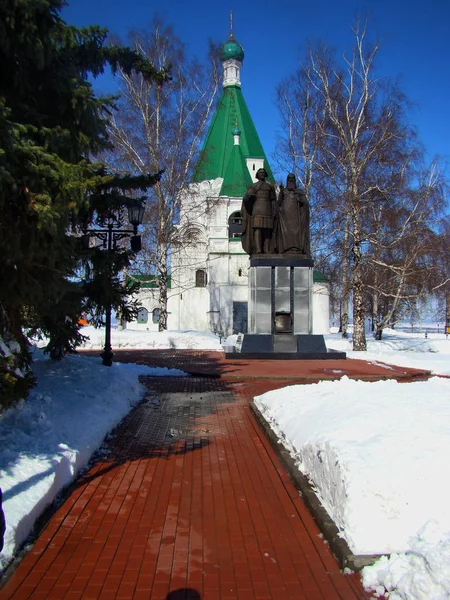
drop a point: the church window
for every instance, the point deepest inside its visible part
(200, 278)
(240, 272)
(253, 166)
(235, 225)
(142, 316)
(155, 315)
(192, 235)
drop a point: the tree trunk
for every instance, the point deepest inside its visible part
(345, 283)
(379, 333)
(162, 284)
(359, 334)
(344, 321)
(447, 313)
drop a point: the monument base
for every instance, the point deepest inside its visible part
(284, 347)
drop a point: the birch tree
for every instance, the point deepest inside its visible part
(441, 272)
(352, 140)
(405, 251)
(162, 127)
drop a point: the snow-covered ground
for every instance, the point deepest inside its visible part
(129, 338)
(376, 452)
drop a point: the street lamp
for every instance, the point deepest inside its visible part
(110, 233)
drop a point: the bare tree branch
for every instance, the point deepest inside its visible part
(161, 127)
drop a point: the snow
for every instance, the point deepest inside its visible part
(129, 338)
(377, 456)
(377, 453)
(47, 439)
(402, 349)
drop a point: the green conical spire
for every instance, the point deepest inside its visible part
(237, 177)
(218, 145)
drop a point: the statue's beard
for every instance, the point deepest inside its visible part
(291, 186)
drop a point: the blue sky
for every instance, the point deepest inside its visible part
(415, 46)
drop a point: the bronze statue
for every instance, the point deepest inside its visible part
(259, 211)
(293, 220)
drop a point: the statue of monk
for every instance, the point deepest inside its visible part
(293, 220)
(259, 209)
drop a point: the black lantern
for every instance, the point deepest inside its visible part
(136, 243)
(136, 213)
(111, 236)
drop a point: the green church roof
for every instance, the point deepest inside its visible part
(218, 147)
(147, 281)
(319, 277)
(237, 177)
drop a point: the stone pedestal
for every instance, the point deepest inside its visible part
(280, 295)
(280, 311)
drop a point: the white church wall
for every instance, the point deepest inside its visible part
(230, 294)
(253, 165)
(219, 217)
(218, 232)
(226, 309)
(221, 312)
(238, 268)
(321, 308)
(193, 309)
(149, 301)
(233, 205)
(228, 269)
(235, 248)
(228, 284)
(218, 245)
(173, 311)
(218, 268)
(198, 200)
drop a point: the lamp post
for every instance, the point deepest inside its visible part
(110, 233)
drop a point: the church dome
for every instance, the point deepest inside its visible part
(232, 50)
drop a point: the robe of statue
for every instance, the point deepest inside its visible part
(293, 222)
(258, 209)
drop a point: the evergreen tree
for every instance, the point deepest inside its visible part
(51, 126)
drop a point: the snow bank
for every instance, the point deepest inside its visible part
(421, 574)
(47, 439)
(379, 476)
(129, 338)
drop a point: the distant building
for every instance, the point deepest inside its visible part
(208, 289)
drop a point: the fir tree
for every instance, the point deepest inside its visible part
(51, 125)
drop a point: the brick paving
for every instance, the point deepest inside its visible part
(191, 502)
(215, 364)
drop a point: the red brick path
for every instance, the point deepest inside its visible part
(191, 502)
(214, 364)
